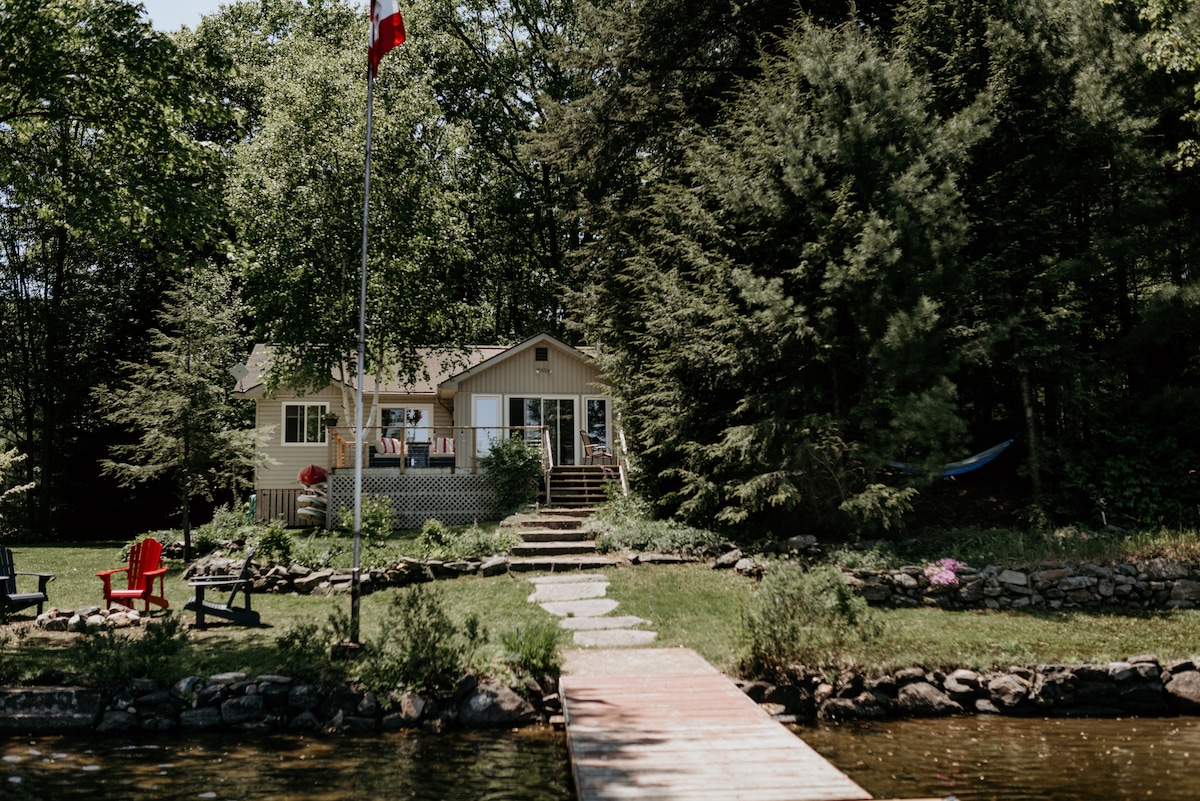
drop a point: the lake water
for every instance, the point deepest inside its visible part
(983, 758)
(1019, 759)
(527, 765)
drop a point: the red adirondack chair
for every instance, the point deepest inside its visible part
(145, 565)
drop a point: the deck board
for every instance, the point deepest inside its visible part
(662, 723)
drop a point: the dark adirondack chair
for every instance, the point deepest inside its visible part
(242, 583)
(145, 565)
(11, 600)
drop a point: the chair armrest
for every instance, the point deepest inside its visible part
(106, 577)
(43, 579)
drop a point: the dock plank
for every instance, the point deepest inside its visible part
(664, 724)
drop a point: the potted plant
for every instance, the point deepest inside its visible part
(330, 419)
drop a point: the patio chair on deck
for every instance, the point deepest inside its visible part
(594, 449)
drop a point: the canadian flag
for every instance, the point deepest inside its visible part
(387, 31)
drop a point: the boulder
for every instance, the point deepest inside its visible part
(243, 709)
(1008, 691)
(495, 704)
(1183, 691)
(920, 699)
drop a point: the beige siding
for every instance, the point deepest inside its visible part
(569, 375)
(563, 375)
(290, 458)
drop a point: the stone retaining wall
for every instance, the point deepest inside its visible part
(1140, 686)
(233, 701)
(1155, 583)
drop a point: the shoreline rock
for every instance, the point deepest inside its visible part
(270, 704)
(1139, 686)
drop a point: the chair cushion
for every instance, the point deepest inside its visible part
(391, 446)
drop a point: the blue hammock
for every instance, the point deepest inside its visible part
(954, 468)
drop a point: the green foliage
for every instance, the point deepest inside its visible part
(108, 657)
(514, 472)
(879, 556)
(420, 647)
(533, 647)
(177, 401)
(435, 534)
(304, 650)
(801, 620)
(8, 489)
(879, 506)
(106, 196)
(321, 550)
(377, 518)
(439, 541)
(625, 523)
(275, 543)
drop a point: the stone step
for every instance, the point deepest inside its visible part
(568, 511)
(555, 548)
(560, 523)
(559, 564)
(551, 535)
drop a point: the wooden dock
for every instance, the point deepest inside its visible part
(664, 724)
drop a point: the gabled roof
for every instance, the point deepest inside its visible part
(444, 366)
(537, 340)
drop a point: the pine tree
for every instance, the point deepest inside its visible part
(188, 431)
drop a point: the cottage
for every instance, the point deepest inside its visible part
(427, 438)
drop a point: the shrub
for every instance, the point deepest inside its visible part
(533, 648)
(421, 647)
(879, 506)
(625, 523)
(803, 620)
(304, 650)
(378, 518)
(108, 657)
(275, 543)
(514, 472)
(323, 549)
(434, 534)
(439, 541)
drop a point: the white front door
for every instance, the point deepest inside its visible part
(486, 417)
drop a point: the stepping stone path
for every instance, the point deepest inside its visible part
(578, 600)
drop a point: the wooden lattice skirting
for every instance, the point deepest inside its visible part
(455, 500)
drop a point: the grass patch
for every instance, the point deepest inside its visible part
(688, 605)
(980, 547)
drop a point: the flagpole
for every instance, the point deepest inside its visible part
(360, 433)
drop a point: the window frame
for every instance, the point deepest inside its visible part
(312, 413)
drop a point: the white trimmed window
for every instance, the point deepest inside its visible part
(302, 423)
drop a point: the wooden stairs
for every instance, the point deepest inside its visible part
(554, 535)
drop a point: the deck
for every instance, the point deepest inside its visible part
(664, 724)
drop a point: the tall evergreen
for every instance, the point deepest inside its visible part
(185, 428)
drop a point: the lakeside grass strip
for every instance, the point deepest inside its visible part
(691, 605)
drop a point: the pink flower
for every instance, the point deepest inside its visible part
(944, 572)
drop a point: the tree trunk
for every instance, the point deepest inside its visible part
(1035, 476)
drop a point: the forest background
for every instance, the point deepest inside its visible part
(807, 240)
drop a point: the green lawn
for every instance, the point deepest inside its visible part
(690, 605)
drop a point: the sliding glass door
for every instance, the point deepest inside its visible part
(557, 414)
